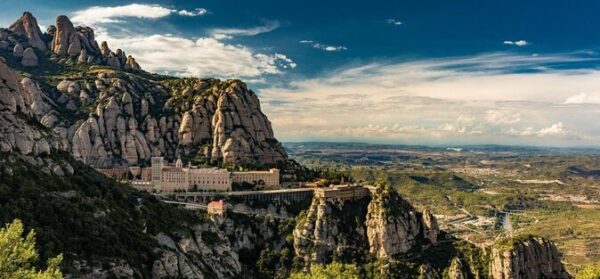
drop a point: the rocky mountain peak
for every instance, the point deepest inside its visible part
(27, 26)
(66, 41)
(68, 44)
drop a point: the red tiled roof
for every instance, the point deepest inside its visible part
(215, 203)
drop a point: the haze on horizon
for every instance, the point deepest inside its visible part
(412, 73)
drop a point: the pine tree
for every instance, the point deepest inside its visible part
(18, 255)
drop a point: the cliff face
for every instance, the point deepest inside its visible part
(331, 230)
(118, 115)
(385, 226)
(394, 227)
(17, 133)
(526, 257)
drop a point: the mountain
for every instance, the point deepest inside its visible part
(108, 112)
(66, 104)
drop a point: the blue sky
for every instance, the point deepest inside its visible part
(426, 72)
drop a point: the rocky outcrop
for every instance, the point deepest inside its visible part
(29, 59)
(394, 227)
(27, 26)
(431, 229)
(329, 231)
(18, 50)
(457, 269)
(130, 119)
(194, 257)
(526, 257)
(66, 41)
(214, 119)
(15, 110)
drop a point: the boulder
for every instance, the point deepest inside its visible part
(18, 50)
(29, 59)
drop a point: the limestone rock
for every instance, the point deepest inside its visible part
(18, 50)
(27, 26)
(392, 224)
(457, 270)
(65, 40)
(431, 230)
(526, 257)
(326, 232)
(29, 59)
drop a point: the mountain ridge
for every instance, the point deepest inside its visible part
(108, 112)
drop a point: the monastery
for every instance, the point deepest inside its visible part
(171, 178)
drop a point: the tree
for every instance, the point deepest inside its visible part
(330, 271)
(18, 255)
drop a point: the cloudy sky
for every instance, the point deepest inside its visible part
(416, 72)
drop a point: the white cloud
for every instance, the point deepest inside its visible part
(394, 21)
(329, 48)
(195, 12)
(556, 130)
(505, 116)
(166, 53)
(99, 15)
(203, 57)
(227, 33)
(475, 99)
(519, 43)
(583, 98)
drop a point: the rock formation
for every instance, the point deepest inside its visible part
(395, 227)
(525, 257)
(327, 233)
(126, 121)
(385, 226)
(29, 59)
(457, 270)
(431, 230)
(66, 41)
(18, 50)
(15, 102)
(27, 26)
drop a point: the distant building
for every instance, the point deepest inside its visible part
(267, 178)
(216, 208)
(342, 192)
(170, 178)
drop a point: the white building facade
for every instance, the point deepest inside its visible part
(171, 178)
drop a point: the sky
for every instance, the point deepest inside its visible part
(409, 72)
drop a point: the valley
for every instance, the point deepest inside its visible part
(550, 192)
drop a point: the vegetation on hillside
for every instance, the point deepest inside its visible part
(87, 216)
(19, 257)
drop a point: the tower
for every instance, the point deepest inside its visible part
(157, 165)
(179, 163)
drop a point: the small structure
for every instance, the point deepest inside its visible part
(268, 178)
(342, 192)
(216, 208)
